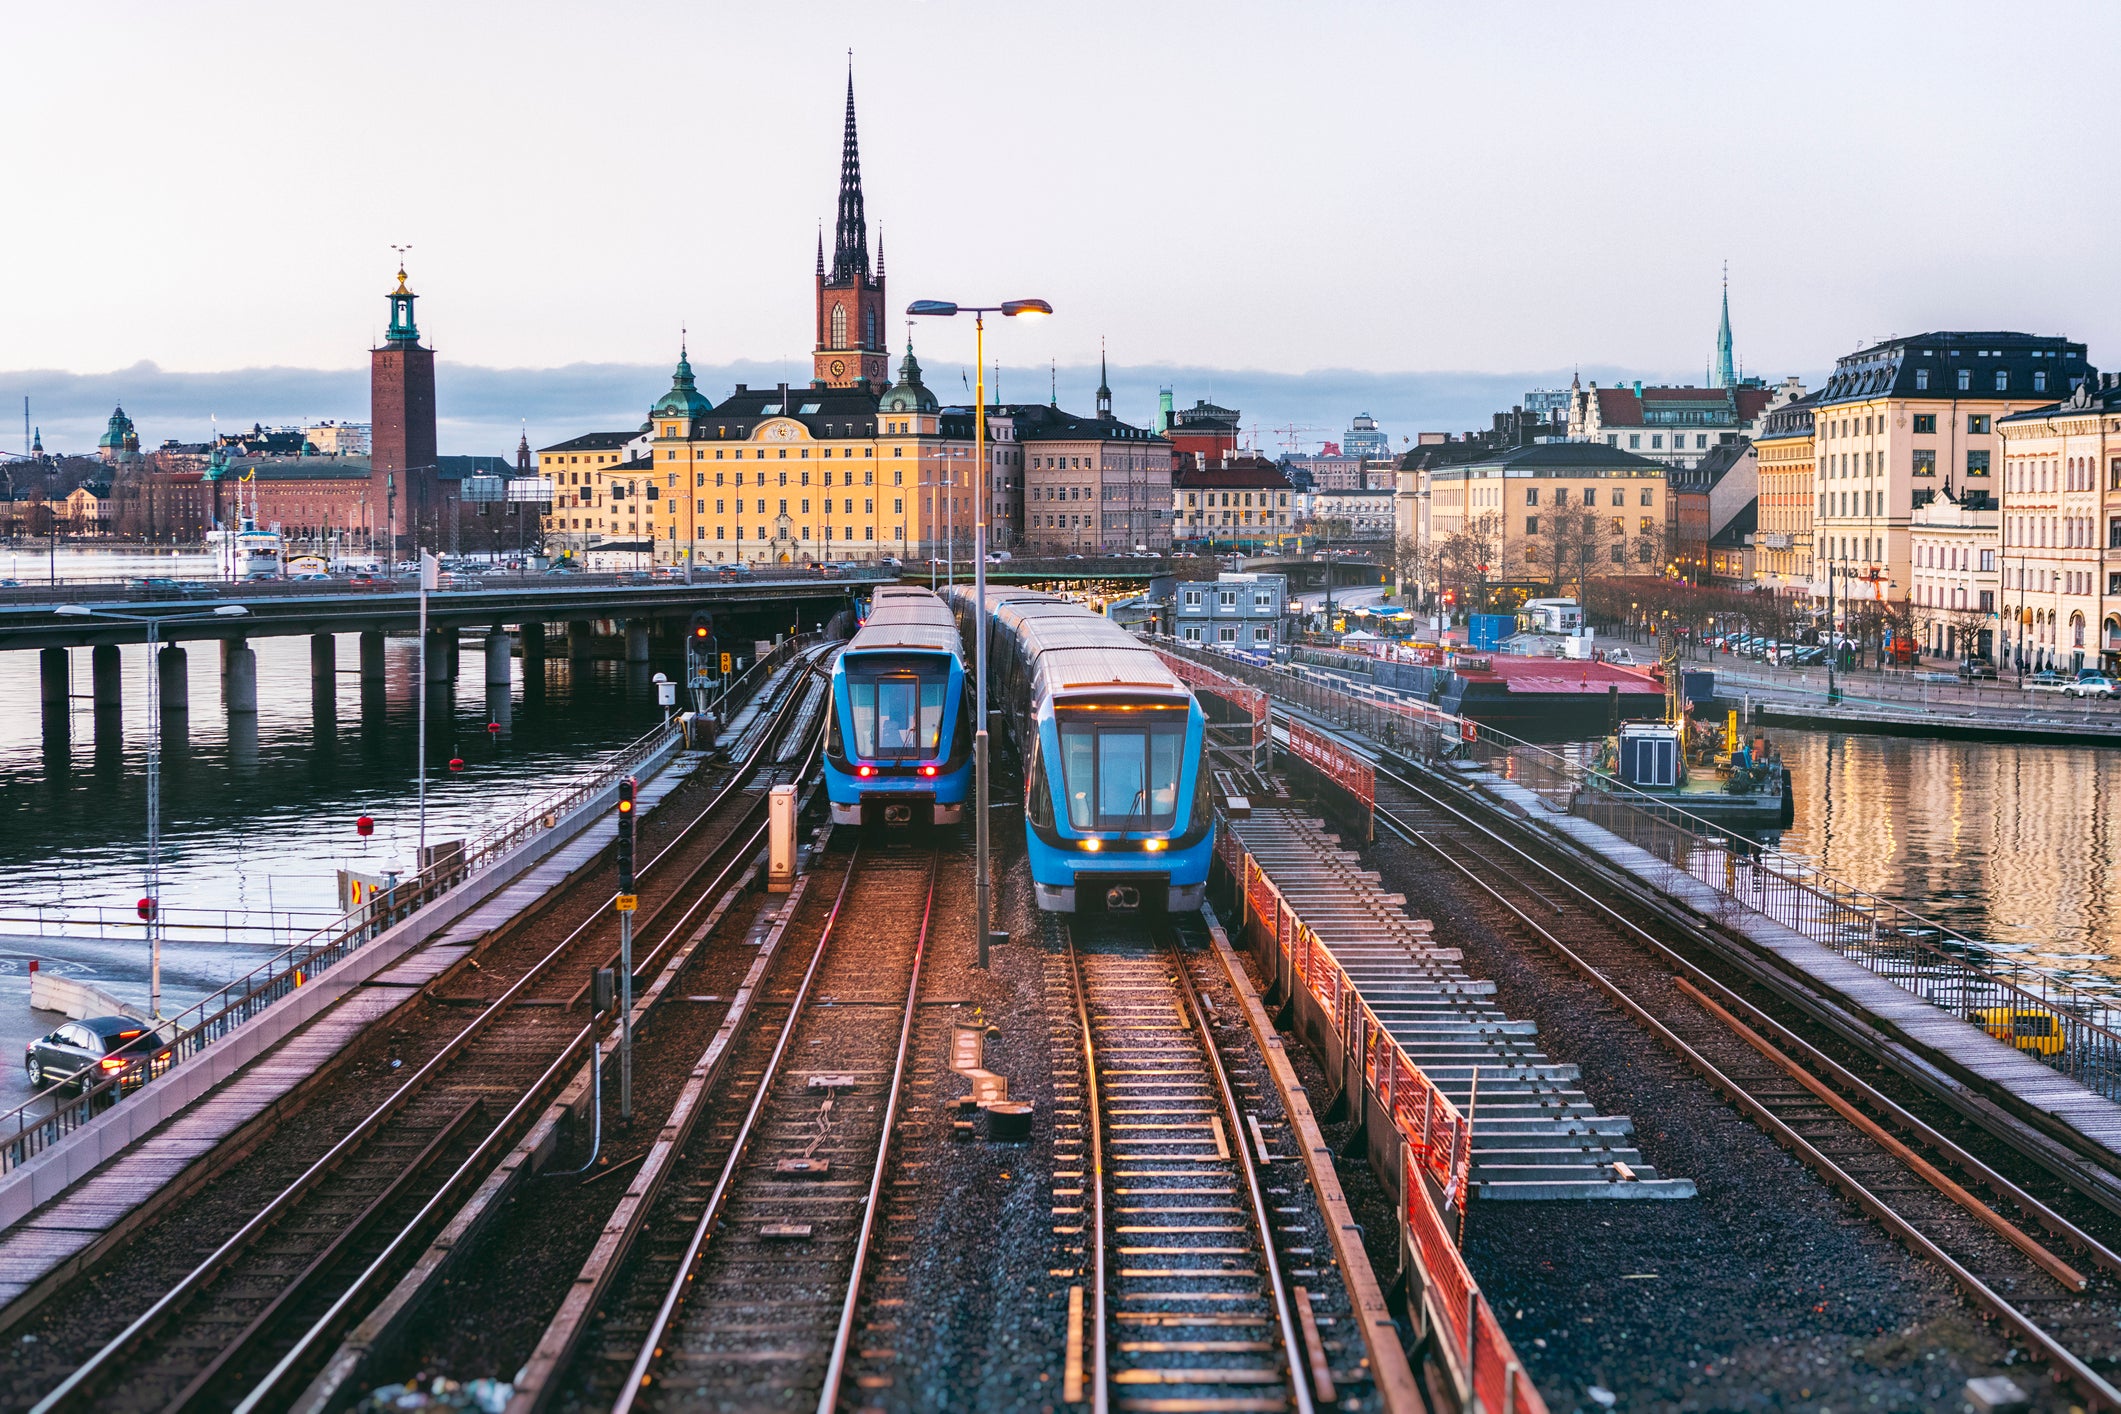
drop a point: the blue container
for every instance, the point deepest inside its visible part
(1487, 631)
(1698, 685)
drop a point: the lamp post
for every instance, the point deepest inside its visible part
(151, 901)
(944, 309)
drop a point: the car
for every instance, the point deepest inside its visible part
(2093, 685)
(1973, 670)
(2046, 681)
(1071, 557)
(100, 1046)
(726, 573)
(1810, 656)
(563, 567)
(313, 577)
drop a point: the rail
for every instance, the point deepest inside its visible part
(70, 921)
(1974, 980)
(218, 1014)
(1436, 1140)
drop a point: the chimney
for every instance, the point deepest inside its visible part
(784, 398)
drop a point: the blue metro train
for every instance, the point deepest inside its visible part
(898, 749)
(1118, 816)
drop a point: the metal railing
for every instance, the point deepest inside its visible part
(1699, 862)
(1435, 1139)
(224, 1011)
(252, 926)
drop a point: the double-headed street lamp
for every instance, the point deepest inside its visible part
(151, 901)
(944, 309)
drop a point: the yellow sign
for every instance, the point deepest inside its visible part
(725, 665)
(628, 903)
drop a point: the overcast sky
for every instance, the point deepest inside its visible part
(1269, 189)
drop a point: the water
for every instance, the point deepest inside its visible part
(258, 817)
(2016, 844)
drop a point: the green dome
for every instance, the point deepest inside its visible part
(909, 394)
(683, 399)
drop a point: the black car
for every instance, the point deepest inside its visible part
(107, 1044)
(1974, 670)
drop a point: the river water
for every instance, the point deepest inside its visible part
(258, 817)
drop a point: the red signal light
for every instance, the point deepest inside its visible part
(364, 827)
(927, 770)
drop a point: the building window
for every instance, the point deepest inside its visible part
(1925, 422)
(2003, 380)
(1226, 634)
(1620, 497)
(1925, 461)
(1966, 380)
(1193, 598)
(1977, 463)
(1977, 423)
(1531, 495)
(1612, 439)
(1922, 380)
(1531, 525)
(1634, 440)
(2039, 380)
(1646, 499)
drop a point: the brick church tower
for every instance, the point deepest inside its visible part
(401, 407)
(850, 301)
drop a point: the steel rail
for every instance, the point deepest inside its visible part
(2088, 1382)
(170, 1301)
(1292, 1343)
(1872, 1097)
(1093, 1105)
(835, 1368)
(652, 1343)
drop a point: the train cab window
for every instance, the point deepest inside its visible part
(897, 712)
(1121, 775)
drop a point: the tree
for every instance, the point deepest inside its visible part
(1468, 557)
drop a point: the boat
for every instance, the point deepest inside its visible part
(1707, 770)
(245, 551)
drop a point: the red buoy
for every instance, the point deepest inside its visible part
(493, 729)
(456, 763)
(364, 826)
(147, 909)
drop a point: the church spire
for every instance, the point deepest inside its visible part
(1726, 369)
(850, 234)
(1104, 386)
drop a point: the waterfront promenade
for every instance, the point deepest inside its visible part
(1918, 701)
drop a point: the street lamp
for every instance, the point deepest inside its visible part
(152, 898)
(944, 309)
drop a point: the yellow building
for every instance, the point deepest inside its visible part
(1518, 509)
(2059, 547)
(1906, 416)
(1782, 543)
(582, 470)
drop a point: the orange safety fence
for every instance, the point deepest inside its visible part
(1251, 701)
(1347, 770)
(1435, 1135)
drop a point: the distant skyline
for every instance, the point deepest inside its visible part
(1436, 192)
(482, 410)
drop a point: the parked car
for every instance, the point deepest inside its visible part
(2046, 681)
(101, 1045)
(1809, 656)
(1974, 670)
(563, 567)
(727, 573)
(2093, 685)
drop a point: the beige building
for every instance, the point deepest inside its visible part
(1513, 502)
(2060, 540)
(1241, 498)
(1782, 539)
(1905, 416)
(1093, 485)
(582, 470)
(1952, 542)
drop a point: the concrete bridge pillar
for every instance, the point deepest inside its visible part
(533, 647)
(324, 661)
(580, 635)
(637, 639)
(173, 675)
(104, 678)
(371, 657)
(500, 650)
(240, 662)
(441, 664)
(52, 688)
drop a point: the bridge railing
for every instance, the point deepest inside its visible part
(2072, 1029)
(24, 1132)
(185, 588)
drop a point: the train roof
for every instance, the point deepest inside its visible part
(903, 619)
(1080, 651)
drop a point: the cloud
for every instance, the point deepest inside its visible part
(482, 409)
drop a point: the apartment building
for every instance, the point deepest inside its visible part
(2059, 543)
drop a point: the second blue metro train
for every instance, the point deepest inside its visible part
(1118, 815)
(898, 749)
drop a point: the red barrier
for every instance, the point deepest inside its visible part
(1249, 700)
(1436, 1138)
(1347, 770)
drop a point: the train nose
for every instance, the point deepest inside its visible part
(1123, 898)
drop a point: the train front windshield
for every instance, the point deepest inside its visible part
(897, 705)
(1121, 771)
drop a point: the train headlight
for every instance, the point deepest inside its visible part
(1153, 845)
(1093, 846)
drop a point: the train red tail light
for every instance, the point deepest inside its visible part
(865, 771)
(927, 770)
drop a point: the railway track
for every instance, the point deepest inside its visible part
(2049, 1282)
(238, 1328)
(1204, 1291)
(742, 1287)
